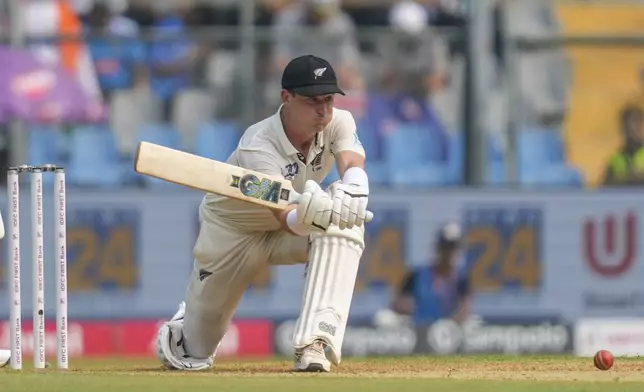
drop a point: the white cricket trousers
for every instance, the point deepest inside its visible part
(226, 262)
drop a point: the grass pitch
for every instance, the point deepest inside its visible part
(445, 374)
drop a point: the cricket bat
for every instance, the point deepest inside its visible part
(216, 177)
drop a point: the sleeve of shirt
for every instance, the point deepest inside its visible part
(259, 161)
(407, 287)
(344, 136)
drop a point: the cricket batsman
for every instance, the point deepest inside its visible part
(300, 143)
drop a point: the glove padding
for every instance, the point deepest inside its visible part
(315, 207)
(349, 205)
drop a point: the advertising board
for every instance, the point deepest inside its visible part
(566, 254)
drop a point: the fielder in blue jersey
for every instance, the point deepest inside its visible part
(437, 290)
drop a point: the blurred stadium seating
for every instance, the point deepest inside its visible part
(606, 77)
(411, 156)
(205, 117)
(92, 166)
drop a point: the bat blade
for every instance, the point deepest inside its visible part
(216, 177)
(212, 176)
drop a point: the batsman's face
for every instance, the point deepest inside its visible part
(311, 112)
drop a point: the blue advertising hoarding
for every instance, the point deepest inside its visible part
(130, 253)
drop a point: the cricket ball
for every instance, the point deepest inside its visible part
(604, 360)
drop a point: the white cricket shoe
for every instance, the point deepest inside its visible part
(170, 349)
(5, 356)
(312, 358)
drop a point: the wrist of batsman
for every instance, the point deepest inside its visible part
(293, 223)
(357, 176)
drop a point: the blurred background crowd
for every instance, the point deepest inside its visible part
(193, 74)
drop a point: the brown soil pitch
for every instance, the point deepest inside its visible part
(449, 374)
(555, 369)
(458, 368)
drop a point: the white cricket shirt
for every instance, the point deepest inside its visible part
(265, 148)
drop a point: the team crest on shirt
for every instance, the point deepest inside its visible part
(291, 171)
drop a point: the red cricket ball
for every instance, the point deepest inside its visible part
(604, 360)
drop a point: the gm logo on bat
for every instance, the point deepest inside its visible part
(260, 188)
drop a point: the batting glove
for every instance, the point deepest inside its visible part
(314, 207)
(350, 199)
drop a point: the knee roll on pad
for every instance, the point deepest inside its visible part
(354, 235)
(330, 279)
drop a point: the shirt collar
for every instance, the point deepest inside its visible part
(286, 145)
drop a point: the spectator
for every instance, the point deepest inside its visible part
(626, 166)
(413, 68)
(447, 13)
(332, 37)
(141, 12)
(274, 7)
(415, 58)
(118, 24)
(436, 291)
(119, 58)
(172, 55)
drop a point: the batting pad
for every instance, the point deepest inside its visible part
(330, 279)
